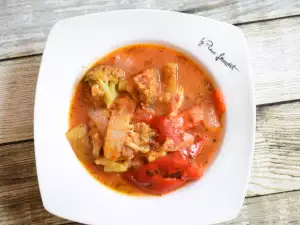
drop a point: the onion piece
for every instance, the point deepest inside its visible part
(210, 117)
(79, 140)
(187, 140)
(100, 118)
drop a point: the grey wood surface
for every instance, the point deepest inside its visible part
(276, 160)
(275, 61)
(21, 203)
(272, 30)
(274, 47)
(25, 24)
(281, 209)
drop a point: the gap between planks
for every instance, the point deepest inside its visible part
(20, 201)
(26, 24)
(271, 44)
(275, 166)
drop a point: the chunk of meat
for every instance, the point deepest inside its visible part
(148, 85)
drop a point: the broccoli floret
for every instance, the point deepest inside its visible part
(103, 81)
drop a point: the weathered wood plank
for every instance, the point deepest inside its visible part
(276, 67)
(25, 24)
(17, 88)
(276, 163)
(271, 209)
(20, 201)
(275, 53)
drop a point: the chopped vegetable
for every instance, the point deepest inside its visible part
(155, 184)
(192, 117)
(145, 113)
(100, 118)
(155, 155)
(146, 133)
(116, 167)
(97, 143)
(137, 148)
(186, 140)
(111, 166)
(166, 128)
(148, 85)
(140, 138)
(210, 117)
(205, 113)
(167, 173)
(124, 104)
(177, 101)
(116, 131)
(103, 81)
(118, 126)
(141, 115)
(168, 145)
(173, 92)
(170, 77)
(220, 102)
(79, 140)
(129, 86)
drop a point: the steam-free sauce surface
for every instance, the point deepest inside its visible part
(198, 88)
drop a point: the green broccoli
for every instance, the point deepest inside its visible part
(103, 81)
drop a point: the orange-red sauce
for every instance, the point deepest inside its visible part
(198, 87)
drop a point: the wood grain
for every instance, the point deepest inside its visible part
(275, 50)
(17, 88)
(20, 201)
(271, 209)
(25, 24)
(276, 66)
(276, 162)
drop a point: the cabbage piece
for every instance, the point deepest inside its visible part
(116, 131)
(117, 128)
(79, 140)
(111, 166)
(100, 118)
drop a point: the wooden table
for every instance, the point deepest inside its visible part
(272, 29)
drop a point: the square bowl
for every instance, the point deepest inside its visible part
(69, 191)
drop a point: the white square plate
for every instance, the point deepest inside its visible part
(69, 191)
